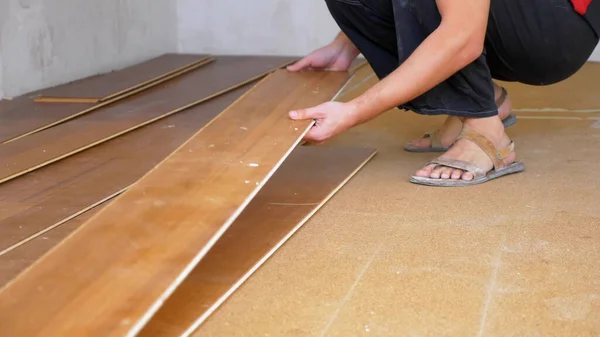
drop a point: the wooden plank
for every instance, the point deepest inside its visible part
(112, 274)
(35, 117)
(51, 145)
(22, 115)
(303, 184)
(19, 259)
(48, 197)
(103, 87)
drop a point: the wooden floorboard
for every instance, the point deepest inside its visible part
(110, 276)
(22, 115)
(304, 183)
(19, 259)
(29, 117)
(61, 141)
(106, 86)
(47, 197)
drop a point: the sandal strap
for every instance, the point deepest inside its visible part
(459, 164)
(496, 156)
(436, 140)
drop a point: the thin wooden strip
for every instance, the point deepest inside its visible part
(103, 104)
(303, 184)
(106, 86)
(52, 195)
(51, 145)
(16, 261)
(66, 100)
(110, 276)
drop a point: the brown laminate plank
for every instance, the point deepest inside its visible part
(33, 117)
(22, 115)
(45, 198)
(110, 276)
(106, 86)
(50, 145)
(19, 259)
(303, 184)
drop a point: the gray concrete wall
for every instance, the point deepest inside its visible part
(48, 42)
(277, 27)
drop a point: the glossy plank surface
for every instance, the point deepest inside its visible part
(49, 196)
(110, 276)
(61, 141)
(304, 183)
(26, 116)
(22, 115)
(106, 86)
(14, 262)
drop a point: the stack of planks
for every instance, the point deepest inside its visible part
(134, 203)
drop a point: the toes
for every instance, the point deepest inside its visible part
(421, 142)
(468, 176)
(446, 173)
(437, 173)
(457, 174)
(426, 171)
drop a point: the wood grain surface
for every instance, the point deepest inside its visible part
(303, 183)
(61, 141)
(106, 86)
(34, 116)
(111, 275)
(47, 197)
(15, 261)
(22, 115)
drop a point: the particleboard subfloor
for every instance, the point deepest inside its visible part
(514, 257)
(161, 227)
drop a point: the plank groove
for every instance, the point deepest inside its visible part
(61, 141)
(51, 195)
(303, 184)
(112, 274)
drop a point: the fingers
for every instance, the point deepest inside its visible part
(304, 63)
(310, 113)
(316, 136)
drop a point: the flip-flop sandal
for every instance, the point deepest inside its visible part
(436, 143)
(498, 157)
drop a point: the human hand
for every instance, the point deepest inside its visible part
(331, 119)
(336, 56)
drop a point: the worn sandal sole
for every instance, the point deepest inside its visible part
(515, 167)
(508, 122)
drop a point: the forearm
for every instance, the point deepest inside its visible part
(441, 55)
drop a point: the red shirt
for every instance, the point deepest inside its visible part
(581, 6)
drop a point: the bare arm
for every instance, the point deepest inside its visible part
(457, 42)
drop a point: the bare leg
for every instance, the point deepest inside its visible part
(451, 128)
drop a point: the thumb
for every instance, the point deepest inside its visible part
(303, 63)
(302, 114)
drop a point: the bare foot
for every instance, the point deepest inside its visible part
(466, 150)
(451, 128)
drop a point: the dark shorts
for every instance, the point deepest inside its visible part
(536, 42)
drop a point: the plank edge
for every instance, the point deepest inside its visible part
(196, 325)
